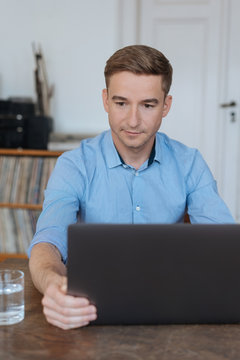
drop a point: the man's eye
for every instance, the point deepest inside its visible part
(148, 106)
(120, 103)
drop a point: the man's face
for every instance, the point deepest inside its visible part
(135, 105)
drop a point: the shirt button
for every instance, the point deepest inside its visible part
(125, 166)
(136, 173)
(138, 208)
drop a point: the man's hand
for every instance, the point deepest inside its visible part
(65, 311)
(48, 275)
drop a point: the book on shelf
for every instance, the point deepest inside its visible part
(17, 227)
(23, 179)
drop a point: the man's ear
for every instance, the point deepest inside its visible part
(105, 99)
(167, 105)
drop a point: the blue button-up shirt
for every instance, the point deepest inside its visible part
(93, 181)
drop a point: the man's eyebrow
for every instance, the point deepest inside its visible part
(122, 98)
(152, 100)
(116, 97)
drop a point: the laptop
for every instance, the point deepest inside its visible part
(157, 274)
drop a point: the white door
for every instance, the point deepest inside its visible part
(200, 38)
(229, 142)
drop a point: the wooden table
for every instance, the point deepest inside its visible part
(34, 338)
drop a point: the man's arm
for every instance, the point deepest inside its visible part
(203, 200)
(49, 277)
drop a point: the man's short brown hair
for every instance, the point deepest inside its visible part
(140, 59)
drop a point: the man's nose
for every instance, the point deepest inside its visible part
(134, 118)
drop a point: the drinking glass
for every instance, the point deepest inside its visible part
(11, 296)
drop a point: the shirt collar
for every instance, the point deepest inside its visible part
(110, 151)
(158, 148)
(114, 159)
(152, 154)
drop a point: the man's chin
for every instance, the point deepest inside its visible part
(133, 143)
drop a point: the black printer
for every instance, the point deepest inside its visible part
(20, 127)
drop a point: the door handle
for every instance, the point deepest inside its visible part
(230, 104)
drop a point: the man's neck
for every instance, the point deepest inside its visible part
(135, 157)
(135, 161)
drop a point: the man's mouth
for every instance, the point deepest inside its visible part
(132, 133)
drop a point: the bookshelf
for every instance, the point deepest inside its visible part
(23, 178)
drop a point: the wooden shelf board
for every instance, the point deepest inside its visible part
(4, 256)
(21, 206)
(29, 152)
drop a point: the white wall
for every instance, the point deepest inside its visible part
(77, 37)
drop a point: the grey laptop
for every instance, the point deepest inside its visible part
(157, 274)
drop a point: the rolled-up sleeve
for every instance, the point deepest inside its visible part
(61, 205)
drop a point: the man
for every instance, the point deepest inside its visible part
(130, 174)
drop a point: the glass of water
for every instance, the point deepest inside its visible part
(11, 296)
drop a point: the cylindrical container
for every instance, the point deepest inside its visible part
(11, 296)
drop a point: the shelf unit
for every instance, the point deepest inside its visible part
(18, 218)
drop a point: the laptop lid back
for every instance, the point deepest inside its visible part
(156, 274)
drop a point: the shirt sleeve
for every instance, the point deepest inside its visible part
(204, 204)
(61, 205)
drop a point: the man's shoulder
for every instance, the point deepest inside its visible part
(97, 140)
(187, 159)
(175, 147)
(91, 145)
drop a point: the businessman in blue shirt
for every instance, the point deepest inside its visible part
(129, 174)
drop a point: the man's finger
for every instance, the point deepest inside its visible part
(62, 299)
